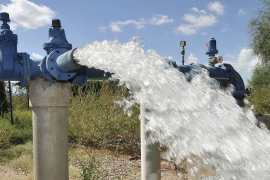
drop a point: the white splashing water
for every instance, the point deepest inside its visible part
(188, 117)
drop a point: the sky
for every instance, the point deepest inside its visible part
(162, 23)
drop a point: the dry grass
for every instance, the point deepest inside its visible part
(96, 120)
(17, 162)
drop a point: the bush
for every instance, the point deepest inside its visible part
(260, 98)
(260, 94)
(23, 127)
(20, 132)
(96, 120)
(91, 168)
(20, 103)
(6, 132)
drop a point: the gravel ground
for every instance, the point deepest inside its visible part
(110, 164)
(126, 167)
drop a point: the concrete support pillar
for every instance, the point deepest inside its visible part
(50, 103)
(150, 154)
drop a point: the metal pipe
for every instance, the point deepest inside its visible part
(150, 154)
(50, 103)
(65, 63)
(10, 103)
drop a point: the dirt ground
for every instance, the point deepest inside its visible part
(111, 165)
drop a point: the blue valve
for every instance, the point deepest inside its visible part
(224, 73)
(57, 65)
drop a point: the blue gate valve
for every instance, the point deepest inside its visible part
(13, 65)
(57, 65)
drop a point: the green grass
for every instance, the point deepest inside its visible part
(19, 103)
(96, 120)
(23, 127)
(91, 168)
(6, 132)
(15, 151)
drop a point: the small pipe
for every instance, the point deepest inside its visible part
(183, 56)
(28, 104)
(10, 103)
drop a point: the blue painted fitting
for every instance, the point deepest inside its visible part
(59, 64)
(33, 68)
(13, 65)
(81, 77)
(53, 68)
(45, 71)
(56, 46)
(212, 47)
(8, 45)
(66, 63)
(184, 68)
(236, 80)
(220, 74)
(225, 75)
(57, 38)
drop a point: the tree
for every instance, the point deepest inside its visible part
(259, 32)
(260, 94)
(3, 98)
(260, 76)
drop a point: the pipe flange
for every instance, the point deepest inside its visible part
(45, 72)
(52, 68)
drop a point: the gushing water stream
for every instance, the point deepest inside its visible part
(187, 117)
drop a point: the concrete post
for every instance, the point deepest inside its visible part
(150, 154)
(50, 103)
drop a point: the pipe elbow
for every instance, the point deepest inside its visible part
(239, 92)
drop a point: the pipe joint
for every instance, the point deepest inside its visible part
(224, 74)
(50, 67)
